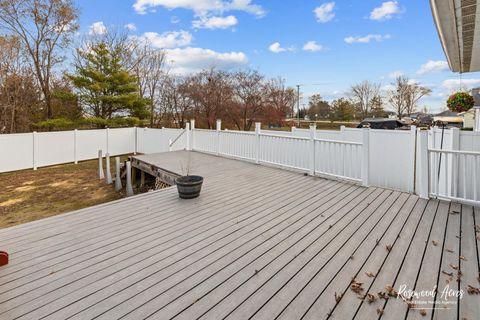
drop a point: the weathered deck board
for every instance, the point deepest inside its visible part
(260, 242)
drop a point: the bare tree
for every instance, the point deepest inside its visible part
(280, 100)
(149, 68)
(414, 93)
(211, 94)
(249, 89)
(362, 95)
(44, 27)
(405, 95)
(397, 95)
(18, 91)
(175, 99)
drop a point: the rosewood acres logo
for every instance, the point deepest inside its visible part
(441, 299)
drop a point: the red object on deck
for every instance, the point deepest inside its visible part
(3, 258)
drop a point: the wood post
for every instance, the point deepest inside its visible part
(366, 157)
(108, 177)
(101, 174)
(142, 178)
(118, 178)
(129, 179)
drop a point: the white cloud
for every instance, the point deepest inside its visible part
(215, 22)
(395, 74)
(277, 48)
(170, 39)
(386, 11)
(131, 27)
(367, 38)
(200, 7)
(186, 60)
(97, 28)
(174, 19)
(312, 46)
(324, 13)
(452, 85)
(433, 66)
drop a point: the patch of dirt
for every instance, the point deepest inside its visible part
(31, 195)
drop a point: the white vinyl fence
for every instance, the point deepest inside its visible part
(34, 150)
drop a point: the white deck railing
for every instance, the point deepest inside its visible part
(329, 158)
(454, 175)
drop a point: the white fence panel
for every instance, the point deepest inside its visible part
(177, 136)
(352, 135)
(89, 142)
(469, 141)
(16, 151)
(459, 175)
(340, 159)
(205, 140)
(152, 140)
(121, 141)
(237, 144)
(287, 152)
(54, 148)
(392, 159)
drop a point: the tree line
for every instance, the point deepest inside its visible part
(50, 78)
(367, 100)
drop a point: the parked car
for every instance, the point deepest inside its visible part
(381, 123)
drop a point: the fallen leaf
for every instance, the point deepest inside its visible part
(388, 247)
(371, 298)
(453, 266)
(380, 311)
(435, 243)
(338, 297)
(423, 313)
(370, 274)
(473, 290)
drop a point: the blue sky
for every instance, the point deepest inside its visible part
(331, 44)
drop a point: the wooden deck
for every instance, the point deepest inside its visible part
(259, 243)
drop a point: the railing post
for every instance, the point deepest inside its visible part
(34, 150)
(422, 166)
(129, 179)
(366, 157)
(342, 133)
(101, 174)
(452, 170)
(75, 160)
(476, 127)
(413, 139)
(313, 133)
(219, 129)
(258, 132)
(188, 131)
(192, 136)
(108, 176)
(118, 178)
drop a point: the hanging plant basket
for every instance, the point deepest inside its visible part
(460, 102)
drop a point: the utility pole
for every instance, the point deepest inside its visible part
(298, 105)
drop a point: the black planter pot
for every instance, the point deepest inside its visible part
(189, 187)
